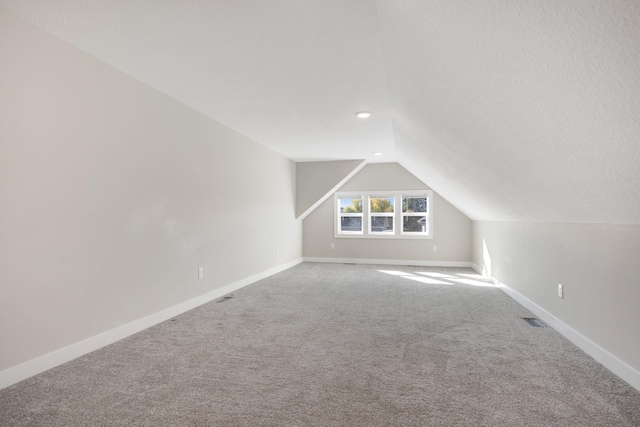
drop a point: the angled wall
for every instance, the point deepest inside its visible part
(315, 181)
(452, 229)
(113, 195)
(598, 266)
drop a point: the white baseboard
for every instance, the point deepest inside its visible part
(416, 263)
(477, 268)
(608, 360)
(50, 360)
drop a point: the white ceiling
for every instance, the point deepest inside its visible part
(511, 109)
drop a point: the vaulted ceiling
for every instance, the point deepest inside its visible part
(511, 109)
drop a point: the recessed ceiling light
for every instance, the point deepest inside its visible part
(363, 114)
(377, 154)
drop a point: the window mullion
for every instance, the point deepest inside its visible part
(381, 227)
(398, 215)
(365, 211)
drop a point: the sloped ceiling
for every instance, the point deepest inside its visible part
(519, 110)
(512, 110)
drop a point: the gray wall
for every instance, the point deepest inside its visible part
(597, 264)
(314, 180)
(452, 229)
(112, 195)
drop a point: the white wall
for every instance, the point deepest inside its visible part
(452, 229)
(112, 195)
(596, 263)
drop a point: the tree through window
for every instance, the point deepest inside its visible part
(381, 210)
(414, 214)
(350, 215)
(375, 214)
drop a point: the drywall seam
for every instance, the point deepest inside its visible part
(329, 193)
(602, 356)
(51, 360)
(374, 261)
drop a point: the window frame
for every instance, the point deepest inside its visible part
(398, 215)
(339, 215)
(429, 217)
(391, 215)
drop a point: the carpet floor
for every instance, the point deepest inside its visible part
(336, 345)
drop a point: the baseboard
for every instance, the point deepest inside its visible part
(477, 268)
(608, 360)
(416, 263)
(50, 360)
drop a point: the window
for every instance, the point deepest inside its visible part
(414, 215)
(391, 214)
(350, 214)
(381, 214)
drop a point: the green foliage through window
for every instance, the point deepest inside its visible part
(381, 214)
(381, 204)
(414, 204)
(355, 205)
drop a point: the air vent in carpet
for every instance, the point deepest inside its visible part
(533, 322)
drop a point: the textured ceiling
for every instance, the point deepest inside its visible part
(512, 110)
(519, 110)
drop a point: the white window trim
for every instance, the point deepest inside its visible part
(338, 215)
(397, 215)
(381, 214)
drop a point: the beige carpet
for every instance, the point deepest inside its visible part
(336, 345)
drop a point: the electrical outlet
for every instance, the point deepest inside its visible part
(333, 246)
(435, 248)
(561, 290)
(201, 273)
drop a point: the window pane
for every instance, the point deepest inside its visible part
(414, 204)
(351, 204)
(381, 224)
(351, 223)
(382, 204)
(414, 224)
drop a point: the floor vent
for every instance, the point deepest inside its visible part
(225, 298)
(533, 322)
